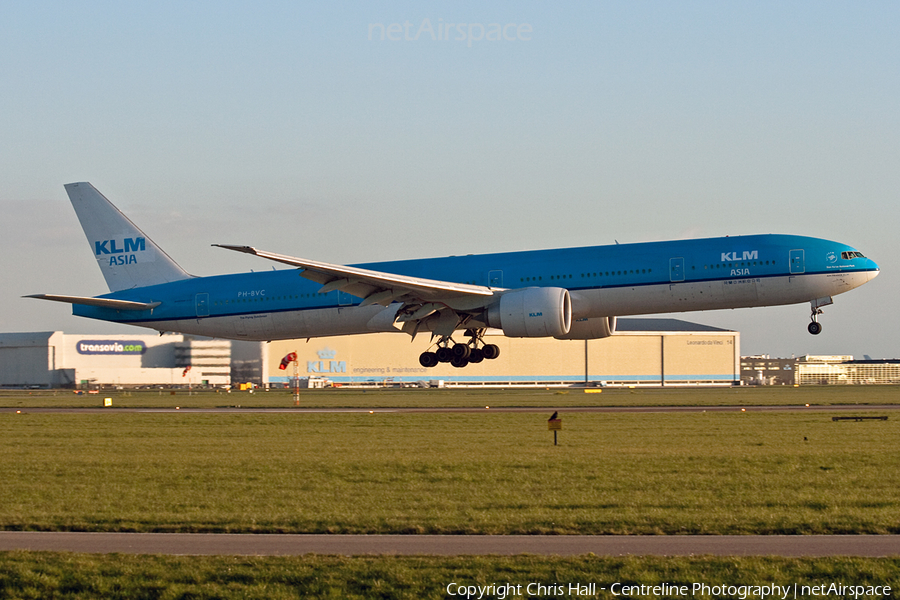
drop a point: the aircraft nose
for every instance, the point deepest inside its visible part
(873, 269)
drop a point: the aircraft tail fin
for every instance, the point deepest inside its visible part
(126, 256)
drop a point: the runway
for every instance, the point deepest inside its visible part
(468, 409)
(192, 544)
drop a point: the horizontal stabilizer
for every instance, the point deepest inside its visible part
(101, 302)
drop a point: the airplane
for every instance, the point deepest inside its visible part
(567, 293)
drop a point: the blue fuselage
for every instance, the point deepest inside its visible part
(617, 280)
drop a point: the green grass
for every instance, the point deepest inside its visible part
(660, 473)
(441, 473)
(380, 398)
(49, 575)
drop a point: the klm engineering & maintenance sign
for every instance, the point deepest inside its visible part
(321, 366)
(326, 365)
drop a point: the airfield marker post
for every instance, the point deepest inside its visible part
(554, 425)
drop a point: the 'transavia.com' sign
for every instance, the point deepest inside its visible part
(110, 347)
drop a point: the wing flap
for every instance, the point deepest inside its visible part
(383, 297)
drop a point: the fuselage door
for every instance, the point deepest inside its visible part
(495, 279)
(202, 304)
(676, 269)
(797, 262)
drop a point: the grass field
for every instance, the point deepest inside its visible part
(48, 575)
(657, 473)
(484, 472)
(465, 397)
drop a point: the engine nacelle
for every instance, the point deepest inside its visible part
(590, 329)
(532, 312)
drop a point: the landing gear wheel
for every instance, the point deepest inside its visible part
(815, 328)
(444, 354)
(460, 355)
(428, 359)
(476, 356)
(461, 351)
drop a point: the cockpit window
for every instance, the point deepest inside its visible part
(849, 255)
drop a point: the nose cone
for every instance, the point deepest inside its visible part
(873, 269)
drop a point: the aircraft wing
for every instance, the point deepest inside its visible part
(376, 287)
(101, 302)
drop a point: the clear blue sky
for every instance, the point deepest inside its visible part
(297, 129)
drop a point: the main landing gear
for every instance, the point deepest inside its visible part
(460, 355)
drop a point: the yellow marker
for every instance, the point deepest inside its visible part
(592, 391)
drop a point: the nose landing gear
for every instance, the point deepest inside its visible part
(815, 327)
(460, 354)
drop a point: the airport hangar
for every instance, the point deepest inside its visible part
(646, 352)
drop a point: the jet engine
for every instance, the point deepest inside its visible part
(532, 312)
(590, 329)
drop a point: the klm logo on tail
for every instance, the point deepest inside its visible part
(128, 245)
(121, 254)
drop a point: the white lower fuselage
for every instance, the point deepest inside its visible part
(586, 304)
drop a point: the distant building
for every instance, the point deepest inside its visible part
(843, 370)
(763, 370)
(55, 359)
(818, 370)
(645, 352)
